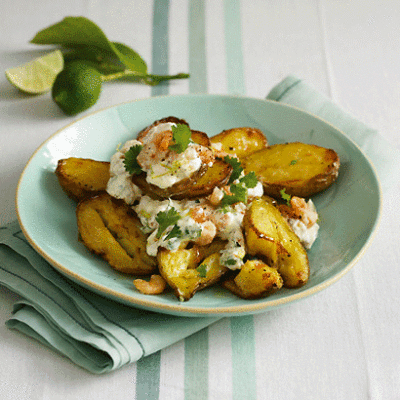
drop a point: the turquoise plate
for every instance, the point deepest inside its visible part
(349, 209)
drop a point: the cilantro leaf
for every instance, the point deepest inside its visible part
(202, 270)
(175, 232)
(237, 168)
(181, 135)
(130, 162)
(165, 219)
(285, 196)
(293, 162)
(239, 193)
(250, 180)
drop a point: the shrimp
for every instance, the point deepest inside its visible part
(300, 210)
(156, 285)
(208, 233)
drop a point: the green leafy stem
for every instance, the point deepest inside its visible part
(90, 60)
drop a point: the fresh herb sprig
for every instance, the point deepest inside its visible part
(238, 190)
(166, 219)
(130, 161)
(181, 135)
(91, 59)
(285, 196)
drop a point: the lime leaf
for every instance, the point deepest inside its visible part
(80, 31)
(37, 76)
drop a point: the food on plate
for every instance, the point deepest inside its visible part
(269, 236)
(255, 279)
(188, 212)
(298, 168)
(110, 229)
(82, 177)
(239, 142)
(186, 272)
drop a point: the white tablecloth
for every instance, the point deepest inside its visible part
(342, 343)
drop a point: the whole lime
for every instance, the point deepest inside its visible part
(77, 87)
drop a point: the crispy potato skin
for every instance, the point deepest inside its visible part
(180, 189)
(301, 169)
(108, 228)
(270, 237)
(201, 186)
(240, 142)
(255, 280)
(82, 177)
(178, 268)
(171, 119)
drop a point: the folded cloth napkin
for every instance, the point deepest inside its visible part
(102, 335)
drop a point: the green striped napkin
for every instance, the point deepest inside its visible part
(101, 335)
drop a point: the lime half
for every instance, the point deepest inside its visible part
(37, 76)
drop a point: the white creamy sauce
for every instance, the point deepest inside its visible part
(307, 235)
(120, 185)
(147, 211)
(174, 169)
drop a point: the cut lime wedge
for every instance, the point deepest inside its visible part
(37, 76)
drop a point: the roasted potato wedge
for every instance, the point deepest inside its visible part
(108, 228)
(217, 175)
(82, 177)
(182, 188)
(301, 169)
(255, 280)
(180, 269)
(240, 142)
(172, 119)
(270, 237)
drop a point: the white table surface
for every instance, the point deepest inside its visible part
(342, 343)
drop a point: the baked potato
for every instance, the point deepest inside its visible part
(255, 280)
(240, 142)
(269, 236)
(109, 228)
(170, 119)
(300, 169)
(82, 177)
(182, 188)
(184, 272)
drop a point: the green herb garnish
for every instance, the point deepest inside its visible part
(77, 88)
(181, 135)
(239, 194)
(166, 219)
(293, 162)
(202, 270)
(285, 196)
(130, 162)
(175, 232)
(250, 180)
(237, 168)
